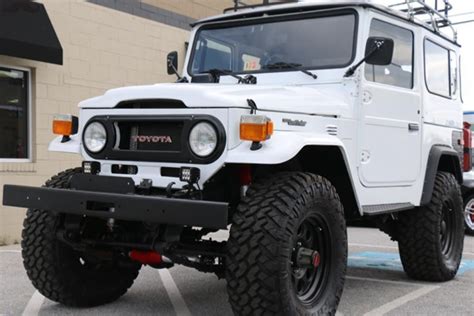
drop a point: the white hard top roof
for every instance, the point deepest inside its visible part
(255, 10)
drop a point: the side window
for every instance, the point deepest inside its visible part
(437, 69)
(212, 55)
(400, 72)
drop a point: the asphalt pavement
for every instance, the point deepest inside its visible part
(375, 285)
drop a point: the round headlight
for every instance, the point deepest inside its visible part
(203, 139)
(95, 137)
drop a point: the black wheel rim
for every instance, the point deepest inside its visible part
(447, 229)
(309, 283)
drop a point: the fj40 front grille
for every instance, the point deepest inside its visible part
(155, 138)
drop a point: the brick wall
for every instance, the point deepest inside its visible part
(107, 44)
(103, 49)
(196, 9)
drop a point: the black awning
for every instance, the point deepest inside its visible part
(27, 32)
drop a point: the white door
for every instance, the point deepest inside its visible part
(390, 151)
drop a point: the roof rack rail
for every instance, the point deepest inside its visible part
(240, 4)
(435, 18)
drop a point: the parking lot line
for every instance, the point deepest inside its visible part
(10, 251)
(390, 247)
(34, 305)
(384, 309)
(412, 283)
(174, 295)
(372, 246)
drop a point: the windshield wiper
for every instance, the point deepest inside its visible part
(216, 73)
(293, 66)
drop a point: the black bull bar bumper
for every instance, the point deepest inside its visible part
(130, 207)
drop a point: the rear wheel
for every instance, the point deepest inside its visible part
(469, 214)
(62, 274)
(287, 251)
(431, 238)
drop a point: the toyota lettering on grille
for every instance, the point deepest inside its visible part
(153, 139)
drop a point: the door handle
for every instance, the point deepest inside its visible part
(413, 127)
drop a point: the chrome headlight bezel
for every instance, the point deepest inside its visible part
(197, 135)
(98, 136)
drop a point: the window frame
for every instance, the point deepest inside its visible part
(450, 96)
(281, 18)
(412, 56)
(29, 159)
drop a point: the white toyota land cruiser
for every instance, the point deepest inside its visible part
(288, 119)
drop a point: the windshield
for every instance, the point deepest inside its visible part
(308, 42)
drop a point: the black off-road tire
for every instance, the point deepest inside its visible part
(56, 270)
(469, 218)
(259, 269)
(427, 255)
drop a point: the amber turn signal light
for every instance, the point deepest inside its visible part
(256, 128)
(65, 125)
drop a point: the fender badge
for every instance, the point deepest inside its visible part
(294, 122)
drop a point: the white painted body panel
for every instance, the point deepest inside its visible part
(386, 113)
(73, 146)
(370, 119)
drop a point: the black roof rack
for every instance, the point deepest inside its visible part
(240, 4)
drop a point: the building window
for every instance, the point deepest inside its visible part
(437, 69)
(14, 115)
(400, 72)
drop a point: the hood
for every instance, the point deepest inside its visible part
(321, 99)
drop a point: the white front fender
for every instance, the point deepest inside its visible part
(280, 148)
(73, 146)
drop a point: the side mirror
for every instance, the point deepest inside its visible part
(172, 63)
(380, 51)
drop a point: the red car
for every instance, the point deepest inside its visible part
(468, 184)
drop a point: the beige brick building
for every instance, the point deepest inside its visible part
(106, 44)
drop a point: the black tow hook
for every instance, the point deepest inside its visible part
(307, 258)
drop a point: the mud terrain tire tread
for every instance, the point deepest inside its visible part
(418, 232)
(262, 227)
(51, 277)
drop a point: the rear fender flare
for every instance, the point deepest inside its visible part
(433, 166)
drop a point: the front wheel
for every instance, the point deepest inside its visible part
(63, 274)
(287, 251)
(469, 214)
